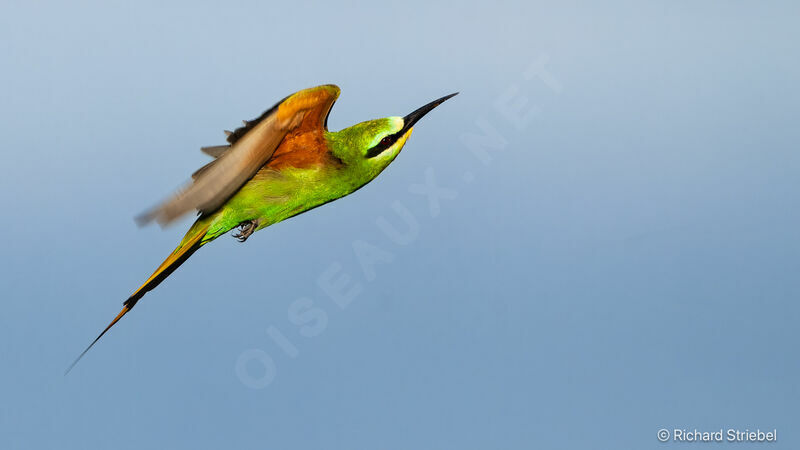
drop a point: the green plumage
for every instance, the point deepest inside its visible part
(277, 166)
(273, 195)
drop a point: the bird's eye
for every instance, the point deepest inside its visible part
(384, 143)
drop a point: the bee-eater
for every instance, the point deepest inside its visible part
(281, 164)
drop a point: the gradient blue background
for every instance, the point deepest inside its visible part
(628, 262)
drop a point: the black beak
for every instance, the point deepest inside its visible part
(408, 122)
(411, 119)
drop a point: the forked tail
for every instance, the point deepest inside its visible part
(189, 245)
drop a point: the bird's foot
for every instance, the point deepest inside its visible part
(246, 228)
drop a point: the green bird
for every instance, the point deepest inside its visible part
(281, 164)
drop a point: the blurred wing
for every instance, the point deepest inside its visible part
(251, 147)
(215, 151)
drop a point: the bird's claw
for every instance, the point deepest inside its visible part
(246, 228)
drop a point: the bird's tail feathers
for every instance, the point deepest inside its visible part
(190, 243)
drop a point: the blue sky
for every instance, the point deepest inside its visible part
(624, 260)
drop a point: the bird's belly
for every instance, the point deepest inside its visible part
(270, 201)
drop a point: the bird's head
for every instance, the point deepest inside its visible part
(373, 144)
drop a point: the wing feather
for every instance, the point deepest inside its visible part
(215, 151)
(251, 148)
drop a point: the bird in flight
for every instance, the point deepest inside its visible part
(279, 165)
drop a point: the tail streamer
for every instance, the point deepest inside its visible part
(190, 244)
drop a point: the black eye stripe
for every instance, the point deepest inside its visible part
(384, 143)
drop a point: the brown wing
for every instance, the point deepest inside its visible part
(251, 147)
(215, 151)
